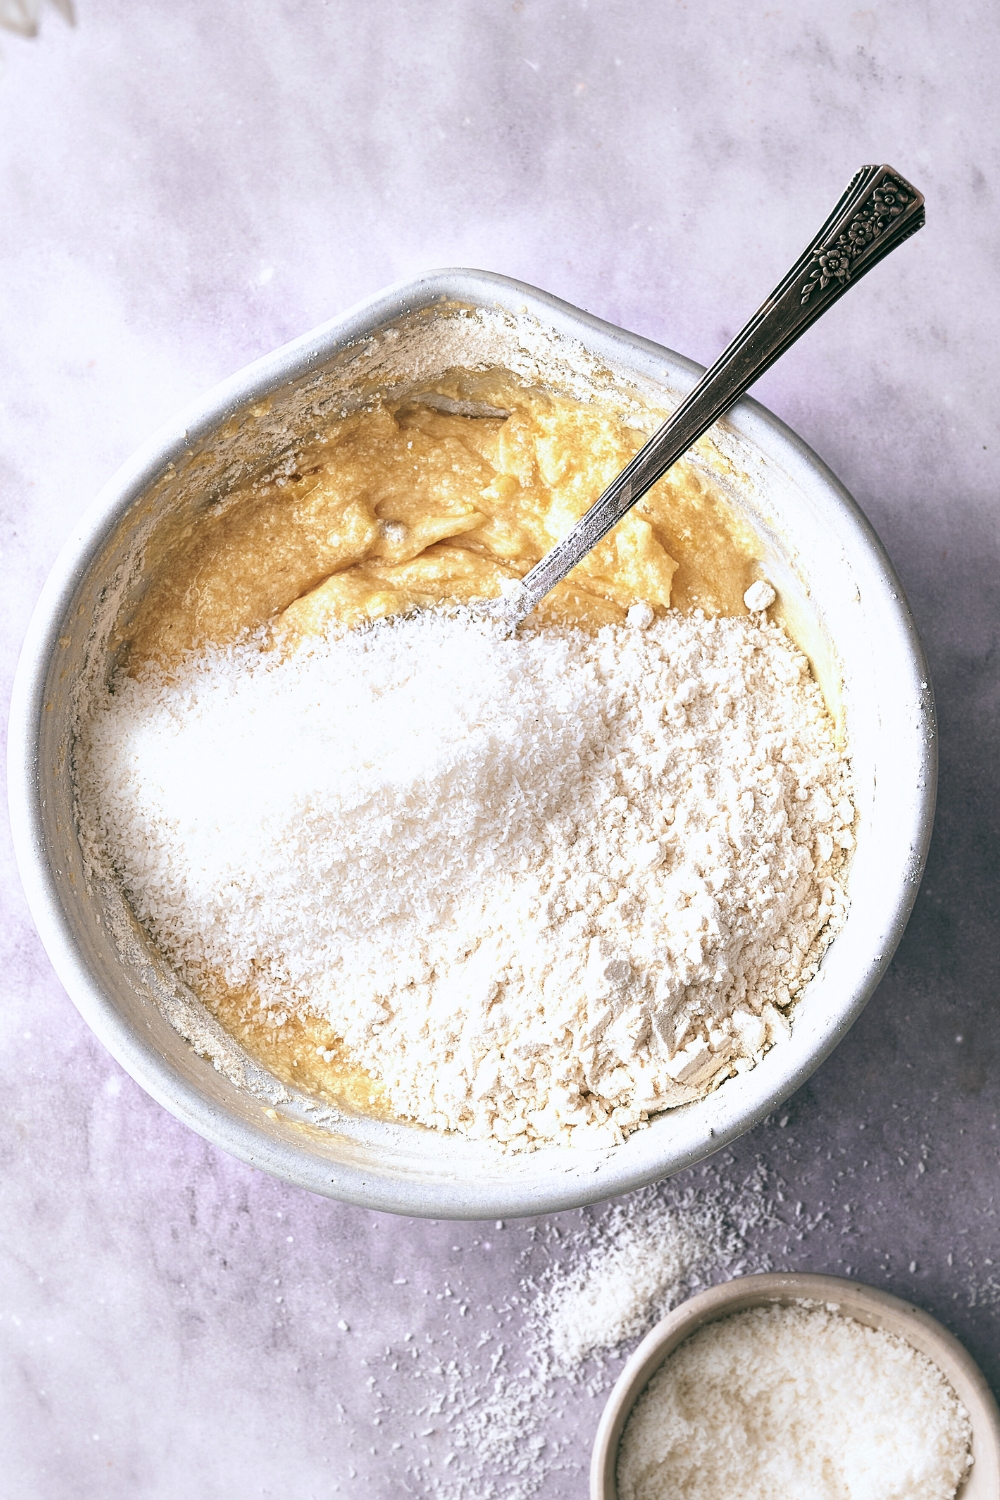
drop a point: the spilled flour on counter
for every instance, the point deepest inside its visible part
(541, 886)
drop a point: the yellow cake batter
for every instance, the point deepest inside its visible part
(404, 505)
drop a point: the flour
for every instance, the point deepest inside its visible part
(795, 1401)
(541, 886)
(760, 595)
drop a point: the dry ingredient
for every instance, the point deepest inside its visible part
(539, 886)
(760, 595)
(427, 949)
(795, 1401)
(464, 1353)
(645, 1257)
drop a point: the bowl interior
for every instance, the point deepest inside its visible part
(838, 595)
(865, 1304)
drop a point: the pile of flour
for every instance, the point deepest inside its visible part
(540, 885)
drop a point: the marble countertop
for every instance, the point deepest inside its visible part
(187, 186)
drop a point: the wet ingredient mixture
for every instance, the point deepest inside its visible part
(402, 506)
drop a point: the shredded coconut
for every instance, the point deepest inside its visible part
(541, 886)
(795, 1401)
(645, 1261)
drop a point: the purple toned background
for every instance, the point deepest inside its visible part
(184, 186)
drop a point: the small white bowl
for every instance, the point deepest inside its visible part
(864, 1304)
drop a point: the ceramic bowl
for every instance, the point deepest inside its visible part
(837, 591)
(863, 1303)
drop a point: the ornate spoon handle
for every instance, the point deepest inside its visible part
(879, 210)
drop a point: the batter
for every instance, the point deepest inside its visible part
(403, 505)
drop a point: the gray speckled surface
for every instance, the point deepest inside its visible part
(184, 187)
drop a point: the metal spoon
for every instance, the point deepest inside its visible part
(878, 211)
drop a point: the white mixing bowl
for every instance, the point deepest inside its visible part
(838, 593)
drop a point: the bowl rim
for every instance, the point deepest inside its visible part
(850, 1298)
(445, 1196)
